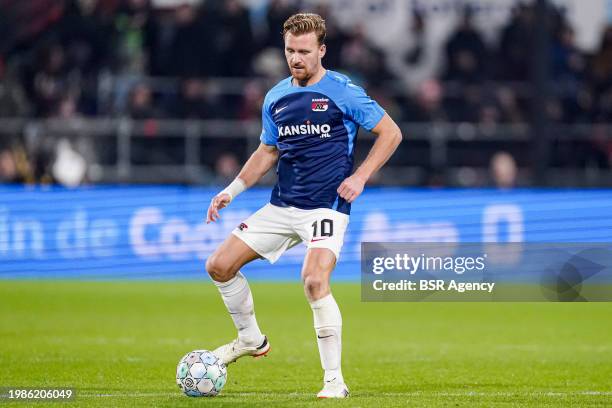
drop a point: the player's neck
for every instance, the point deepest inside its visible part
(312, 80)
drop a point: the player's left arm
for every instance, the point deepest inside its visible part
(388, 138)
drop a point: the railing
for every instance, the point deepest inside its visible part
(441, 148)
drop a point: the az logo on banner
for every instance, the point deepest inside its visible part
(320, 104)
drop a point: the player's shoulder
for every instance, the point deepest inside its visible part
(340, 85)
(277, 91)
(342, 81)
(338, 79)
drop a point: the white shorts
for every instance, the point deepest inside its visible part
(272, 230)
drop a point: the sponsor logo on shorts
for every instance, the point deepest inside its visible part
(242, 226)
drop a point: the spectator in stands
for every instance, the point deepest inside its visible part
(516, 44)
(603, 107)
(602, 60)
(416, 54)
(185, 44)
(153, 148)
(13, 101)
(335, 37)
(253, 97)
(40, 159)
(466, 53)
(489, 115)
(568, 67)
(419, 60)
(69, 167)
(364, 61)
(66, 107)
(72, 155)
(270, 64)
(509, 106)
(52, 78)
(503, 170)
(234, 39)
(8, 168)
(84, 36)
(133, 26)
(227, 168)
(601, 79)
(195, 101)
(140, 104)
(278, 12)
(567, 61)
(426, 106)
(23, 22)
(464, 103)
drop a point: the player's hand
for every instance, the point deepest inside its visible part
(351, 188)
(218, 202)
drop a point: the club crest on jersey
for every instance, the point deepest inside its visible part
(320, 104)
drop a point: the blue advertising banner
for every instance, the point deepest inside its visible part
(159, 232)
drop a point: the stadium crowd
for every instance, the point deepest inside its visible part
(124, 58)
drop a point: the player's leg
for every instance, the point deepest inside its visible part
(318, 266)
(265, 234)
(323, 231)
(223, 266)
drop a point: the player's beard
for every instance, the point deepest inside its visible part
(301, 75)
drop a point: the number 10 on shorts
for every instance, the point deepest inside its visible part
(322, 228)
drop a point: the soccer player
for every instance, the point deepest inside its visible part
(310, 121)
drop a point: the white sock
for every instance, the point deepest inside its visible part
(328, 326)
(238, 299)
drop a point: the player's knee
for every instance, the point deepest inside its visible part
(314, 286)
(218, 269)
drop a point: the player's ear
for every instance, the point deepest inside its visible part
(322, 50)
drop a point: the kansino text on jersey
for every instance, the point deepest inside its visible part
(433, 285)
(291, 130)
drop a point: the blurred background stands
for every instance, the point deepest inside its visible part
(170, 91)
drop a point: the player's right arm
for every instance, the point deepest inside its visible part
(260, 162)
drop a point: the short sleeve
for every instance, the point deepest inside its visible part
(269, 131)
(362, 109)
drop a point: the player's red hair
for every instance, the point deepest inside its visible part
(304, 23)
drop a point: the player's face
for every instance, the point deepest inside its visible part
(304, 55)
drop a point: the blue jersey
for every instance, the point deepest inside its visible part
(314, 128)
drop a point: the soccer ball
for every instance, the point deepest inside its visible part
(201, 374)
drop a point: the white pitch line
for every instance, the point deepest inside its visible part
(384, 394)
(127, 395)
(498, 393)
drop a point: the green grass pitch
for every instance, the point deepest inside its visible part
(118, 343)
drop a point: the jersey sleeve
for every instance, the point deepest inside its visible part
(269, 130)
(362, 109)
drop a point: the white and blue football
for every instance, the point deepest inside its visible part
(201, 374)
